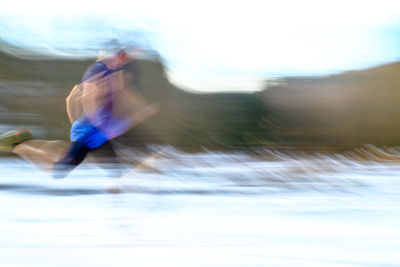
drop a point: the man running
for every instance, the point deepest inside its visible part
(102, 107)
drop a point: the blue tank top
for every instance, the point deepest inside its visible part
(99, 67)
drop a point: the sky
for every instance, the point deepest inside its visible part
(219, 45)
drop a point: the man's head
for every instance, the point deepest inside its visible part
(114, 54)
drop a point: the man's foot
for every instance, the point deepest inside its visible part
(13, 138)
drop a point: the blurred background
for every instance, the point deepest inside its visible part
(276, 144)
(225, 74)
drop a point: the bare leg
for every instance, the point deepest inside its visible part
(42, 153)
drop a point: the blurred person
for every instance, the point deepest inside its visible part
(103, 106)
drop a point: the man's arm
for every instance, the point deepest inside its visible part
(74, 108)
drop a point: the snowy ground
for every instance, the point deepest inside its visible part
(208, 209)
